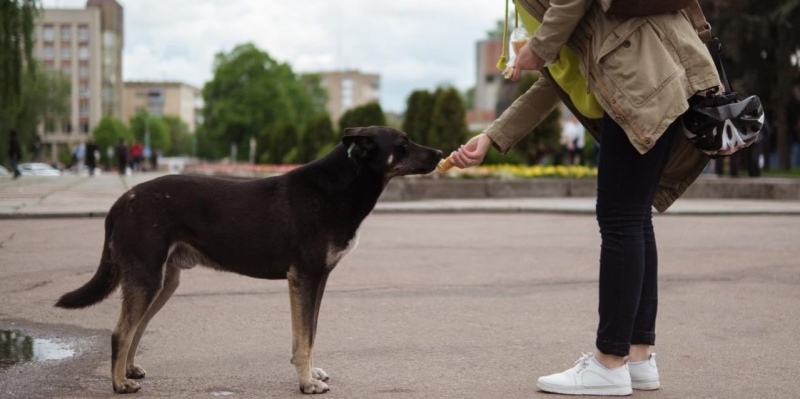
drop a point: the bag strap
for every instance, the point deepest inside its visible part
(503, 61)
(698, 19)
(703, 28)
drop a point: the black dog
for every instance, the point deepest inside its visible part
(297, 226)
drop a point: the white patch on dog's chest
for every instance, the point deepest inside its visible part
(335, 255)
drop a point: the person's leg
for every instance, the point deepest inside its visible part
(628, 258)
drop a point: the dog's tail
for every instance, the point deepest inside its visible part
(104, 282)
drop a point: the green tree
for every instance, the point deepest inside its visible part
(279, 146)
(142, 124)
(318, 139)
(17, 18)
(252, 95)
(179, 136)
(544, 139)
(448, 127)
(43, 101)
(370, 114)
(107, 134)
(417, 119)
(760, 39)
(318, 93)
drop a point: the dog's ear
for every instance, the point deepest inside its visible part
(358, 141)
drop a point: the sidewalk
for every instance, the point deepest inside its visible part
(82, 196)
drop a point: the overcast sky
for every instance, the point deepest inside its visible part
(412, 44)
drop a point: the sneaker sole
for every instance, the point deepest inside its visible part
(603, 391)
(645, 385)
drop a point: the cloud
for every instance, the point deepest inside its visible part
(412, 44)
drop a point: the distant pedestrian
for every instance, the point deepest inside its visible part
(14, 153)
(154, 159)
(92, 153)
(135, 155)
(122, 157)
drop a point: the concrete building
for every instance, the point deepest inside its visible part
(86, 46)
(349, 89)
(163, 98)
(488, 84)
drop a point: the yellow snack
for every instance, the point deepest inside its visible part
(444, 165)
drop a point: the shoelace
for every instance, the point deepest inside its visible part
(583, 361)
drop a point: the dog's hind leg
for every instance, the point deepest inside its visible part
(172, 275)
(303, 297)
(318, 373)
(141, 283)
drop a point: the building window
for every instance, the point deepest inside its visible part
(108, 40)
(66, 33)
(66, 126)
(48, 52)
(84, 108)
(83, 71)
(85, 127)
(49, 126)
(83, 52)
(66, 52)
(66, 68)
(83, 33)
(347, 93)
(48, 33)
(83, 90)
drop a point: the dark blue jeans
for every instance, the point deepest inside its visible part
(626, 184)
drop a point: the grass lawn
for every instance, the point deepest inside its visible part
(775, 172)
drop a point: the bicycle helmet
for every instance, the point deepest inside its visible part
(722, 125)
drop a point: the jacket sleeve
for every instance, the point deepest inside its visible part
(557, 25)
(523, 115)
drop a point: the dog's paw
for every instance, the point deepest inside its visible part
(319, 374)
(126, 386)
(135, 372)
(314, 386)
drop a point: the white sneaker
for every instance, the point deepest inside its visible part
(588, 378)
(644, 374)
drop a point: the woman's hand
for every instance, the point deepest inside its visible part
(527, 60)
(471, 153)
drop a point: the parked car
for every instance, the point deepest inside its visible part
(3, 171)
(38, 169)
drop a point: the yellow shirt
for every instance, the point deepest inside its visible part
(566, 73)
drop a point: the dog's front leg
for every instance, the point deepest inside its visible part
(303, 292)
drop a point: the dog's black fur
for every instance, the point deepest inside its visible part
(296, 226)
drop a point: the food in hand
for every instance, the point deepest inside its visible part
(517, 45)
(508, 72)
(444, 165)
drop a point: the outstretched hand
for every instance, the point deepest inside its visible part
(471, 153)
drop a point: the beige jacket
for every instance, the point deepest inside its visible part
(641, 70)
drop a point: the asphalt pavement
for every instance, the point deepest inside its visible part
(436, 303)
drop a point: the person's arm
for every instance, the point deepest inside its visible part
(515, 123)
(558, 23)
(523, 115)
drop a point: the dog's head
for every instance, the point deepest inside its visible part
(389, 152)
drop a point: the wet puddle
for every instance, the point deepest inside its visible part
(16, 348)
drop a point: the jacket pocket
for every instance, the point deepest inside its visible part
(635, 59)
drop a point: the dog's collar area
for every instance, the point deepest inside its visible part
(350, 150)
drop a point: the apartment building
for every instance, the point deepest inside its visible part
(86, 46)
(163, 98)
(488, 84)
(349, 89)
